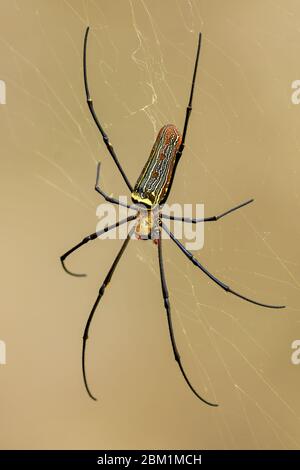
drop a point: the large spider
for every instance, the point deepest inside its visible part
(149, 195)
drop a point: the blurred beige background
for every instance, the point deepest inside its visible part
(242, 142)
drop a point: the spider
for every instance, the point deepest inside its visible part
(149, 195)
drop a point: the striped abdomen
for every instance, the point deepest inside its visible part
(153, 185)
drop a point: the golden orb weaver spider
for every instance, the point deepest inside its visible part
(149, 195)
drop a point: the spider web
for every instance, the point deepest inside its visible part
(140, 60)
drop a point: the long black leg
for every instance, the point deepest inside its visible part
(206, 219)
(93, 113)
(189, 107)
(186, 122)
(106, 197)
(100, 294)
(93, 236)
(211, 276)
(168, 311)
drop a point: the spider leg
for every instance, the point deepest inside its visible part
(106, 197)
(189, 106)
(186, 121)
(96, 120)
(189, 255)
(93, 236)
(206, 219)
(100, 294)
(170, 325)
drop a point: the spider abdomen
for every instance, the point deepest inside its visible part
(154, 183)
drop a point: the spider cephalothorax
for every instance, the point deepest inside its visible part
(147, 223)
(149, 194)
